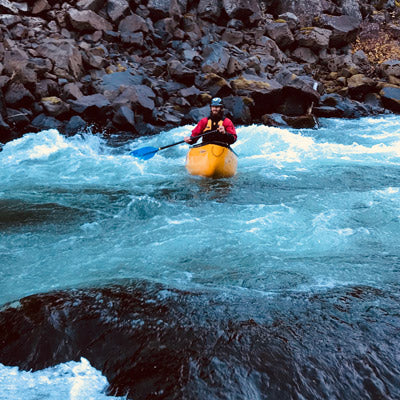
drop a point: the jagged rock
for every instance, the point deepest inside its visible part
(196, 114)
(314, 38)
(54, 106)
(64, 55)
(209, 10)
(180, 73)
(238, 109)
(40, 6)
(344, 29)
(8, 7)
(124, 118)
(116, 80)
(139, 97)
(359, 85)
(43, 122)
(158, 8)
(390, 68)
(233, 36)
(136, 39)
(92, 5)
(95, 104)
(352, 9)
(244, 10)
(14, 60)
(304, 54)
(267, 47)
(18, 96)
(300, 122)
(177, 8)
(280, 33)
(327, 112)
(190, 94)
(71, 91)
(133, 23)
(305, 10)
(88, 20)
(214, 84)
(390, 96)
(75, 125)
(116, 9)
(216, 58)
(46, 88)
(291, 19)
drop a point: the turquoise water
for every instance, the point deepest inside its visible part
(308, 212)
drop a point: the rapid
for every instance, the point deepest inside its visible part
(279, 283)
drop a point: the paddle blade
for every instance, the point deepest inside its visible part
(145, 153)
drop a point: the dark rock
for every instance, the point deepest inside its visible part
(75, 125)
(314, 38)
(280, 33)
(216, 58)
(18, 96)
(124, 118)
(359, 85)
(71, 91)
(55, 107)
(344, 29)
(5, 131)
(304, 54)
(95, 105)
(139, 97)
(18, 119)
(118, 79)
(196, 114)
(233, 36)
(40, 6)
(238, 109)
(327, 112)
(88, 20)
(133, 23)
(158, 8)
(46, 88)
(43, 122)
(245, 10)
(390, 96)
(190, 94)
(116, 9)
(92, 5)
(180, 73)
(291, 19)
(7, 7)
(301, 121)
(209, 10)
(214, 84)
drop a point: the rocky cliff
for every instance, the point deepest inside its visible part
(140, 67)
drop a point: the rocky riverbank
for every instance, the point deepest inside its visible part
(141, 67)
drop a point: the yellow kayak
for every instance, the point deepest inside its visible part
(212, 161)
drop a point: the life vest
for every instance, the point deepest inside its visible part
(211, 126)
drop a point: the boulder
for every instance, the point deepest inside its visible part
(92, 5)
(158, 8)
(116, 9)
(117, 80)
(18, 119)
(136, 39)
(390, 68)
(351, 8)
(238, 109)
(344, 29)
(139, 97)
(359, 85)
(300, 122)
(40, 6)
(44, 122)
(209, 10)
(71, 91)
(64, 55)
(244, 10)
(133, 23)
(88, 20)
(390, 96)
(95, 105)
(314, 38)
(196, 114)
(54, 106)
(180, 73)
(17, 95)
(124, 118)
(216, 58)
(177, 8)
(46, 88)
(233, 36)
(304, 54)
(280, 33)
(75, 125)
(7, 7)
(305, 10)
(215, 85)
(190, 94)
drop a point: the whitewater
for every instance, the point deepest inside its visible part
(309, 213)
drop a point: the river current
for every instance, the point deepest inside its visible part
(123, 278)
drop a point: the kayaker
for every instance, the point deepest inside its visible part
(216, 121)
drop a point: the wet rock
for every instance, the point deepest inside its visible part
(233, 36)
(18, 119)
(390, 96)
(87, 20)
(124, 118)
(327, 112)
(75, 125)
(301, 121)
(43, 122)
(359, 85)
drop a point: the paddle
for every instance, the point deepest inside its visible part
(145, 153)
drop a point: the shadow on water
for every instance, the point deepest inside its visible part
(158, 343)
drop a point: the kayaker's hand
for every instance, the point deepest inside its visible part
(188, 139)
(221, 129)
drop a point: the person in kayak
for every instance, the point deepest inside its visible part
(226, 132)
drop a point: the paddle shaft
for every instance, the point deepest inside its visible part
(182, 141)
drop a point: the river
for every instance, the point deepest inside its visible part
(123, 278)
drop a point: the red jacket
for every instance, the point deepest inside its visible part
(229, 137)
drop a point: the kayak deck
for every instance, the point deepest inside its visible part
(211, 160)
